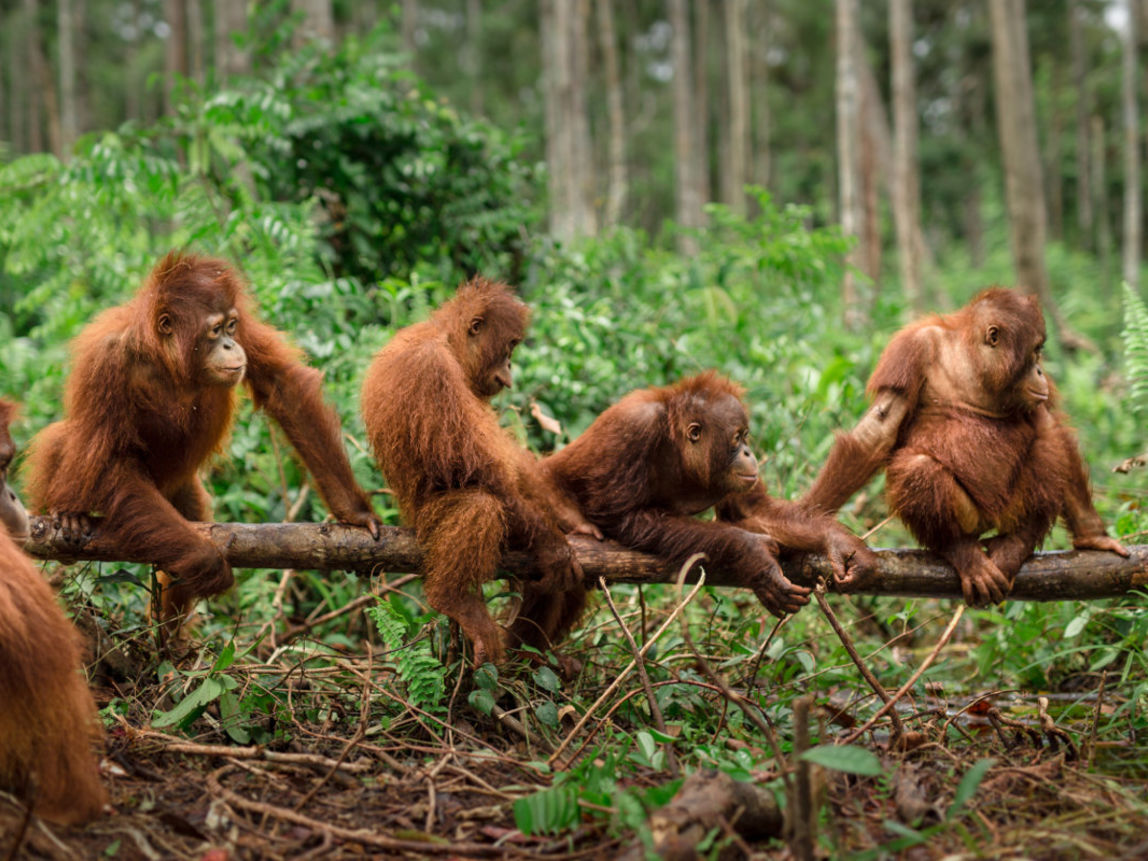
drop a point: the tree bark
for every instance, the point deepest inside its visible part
(759, 87)
(175, 52)
(1084, 218)
(685, 123)
(848, 159)
(1130, 115)
(906, 187)
(230, 59)
(318, 22)
(1052, 157)
(408, 26)
(1056, 576)
(473, 55)
(618, 182)
(1098, 175)
(581, 177)
(1024, 181)
(701, 84)
(197, 63)
(66, 53)
(736, 166)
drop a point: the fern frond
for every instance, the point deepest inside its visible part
(1135, 337)
(423, 673)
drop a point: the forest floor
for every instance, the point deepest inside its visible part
(337, 780)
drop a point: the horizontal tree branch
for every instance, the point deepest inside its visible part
(1055, 576)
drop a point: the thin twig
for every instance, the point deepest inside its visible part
(655, 709)
(925, 664)
(630, 666)
(847, 642)
(1096, 718)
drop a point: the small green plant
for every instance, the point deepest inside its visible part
(417, 666)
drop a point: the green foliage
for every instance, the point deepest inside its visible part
(1135, 337)
(846, 757)
(423, 673)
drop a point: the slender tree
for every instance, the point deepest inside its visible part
(230, 19)
(701, 131)
(196, 42)
(1017, 125)
(848, 160)
(409, 23)
(736, 171)
(759, 86)
(688, 202)
(1083, 110)
(175, 50)
(906, 189)
(1130, 115)
(608, 41)
(66, 63)
(317, 21)
(581, 176)
(473, 56)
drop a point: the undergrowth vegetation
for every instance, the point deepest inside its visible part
(354, 200)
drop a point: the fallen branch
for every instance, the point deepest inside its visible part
(705, 801)
(1055, 576)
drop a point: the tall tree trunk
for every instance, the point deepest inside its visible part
(616, 196)
(409, 23)
(1052, 159)
(848, 159)
(582, 177)
(66, 50)
(32, 64)
(1099, 192)
(685, 121)
(1130, 115)
(1083, 110)
(175, 51)
(17, 110)
(701, 137)
(568, 138)
(474, 54)
(736, 172)
(318, 21)
(759, 86)
(869, 222)
(1016, 122)
(553, 44)
(230, 59)
(906, 187)
(195, 41)
(45, 86)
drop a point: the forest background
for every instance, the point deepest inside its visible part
(767, 188)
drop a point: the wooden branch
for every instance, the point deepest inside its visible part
(1055, 576)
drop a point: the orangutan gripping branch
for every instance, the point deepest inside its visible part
(966, 425)
(658, 457)
(48, 720)
(150, 399)
(466, 486)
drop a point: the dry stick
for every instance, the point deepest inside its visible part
(352, 743)
(360, 835)
(1096, 718)
(904, 689)
(655, 709)
(630, 666)
(172, 745)
(803, 813)
(847, 642)
(20, 834)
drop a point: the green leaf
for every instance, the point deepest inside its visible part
(226, 658)
(481, 699)
(968, 785)
(1077, 625)
(193, 704)
(546, 812)
(547, 679)
(845, 757)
